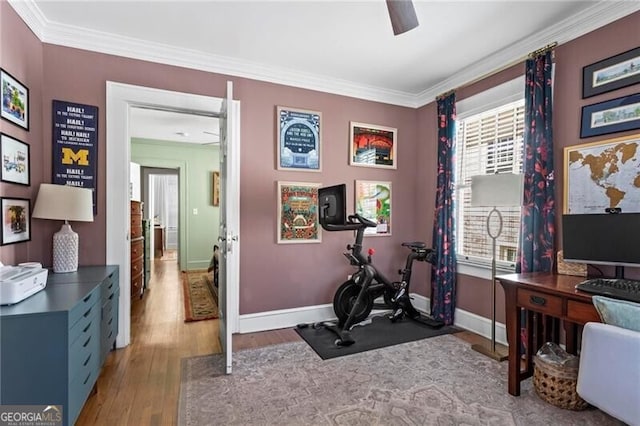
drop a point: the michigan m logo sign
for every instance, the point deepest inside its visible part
(81, 157)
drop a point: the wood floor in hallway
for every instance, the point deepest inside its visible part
(140, 384)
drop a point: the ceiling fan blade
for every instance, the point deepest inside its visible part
(403, 15)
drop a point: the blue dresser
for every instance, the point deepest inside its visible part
(53, 344)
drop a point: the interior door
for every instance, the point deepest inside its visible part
(229, 258)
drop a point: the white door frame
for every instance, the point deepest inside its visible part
(120, 98)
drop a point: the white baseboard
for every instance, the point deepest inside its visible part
(285, 318)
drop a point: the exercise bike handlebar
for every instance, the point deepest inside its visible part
(354, 223)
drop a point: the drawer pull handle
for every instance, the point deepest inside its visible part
(86, 314)
(110, 334)
(537, 300)
(86, 328)
(110, 286)
(111, 297)
(87, 360)
(111, 275)
(87, 379)
(110, 321)
(87, 342)
(86, 299)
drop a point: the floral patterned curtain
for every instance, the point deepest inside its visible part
(443, 273)
(537, 228)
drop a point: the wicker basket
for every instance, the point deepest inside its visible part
(557, 385)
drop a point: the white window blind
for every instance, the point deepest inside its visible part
(488, 142)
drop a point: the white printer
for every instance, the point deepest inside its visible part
(19, 282)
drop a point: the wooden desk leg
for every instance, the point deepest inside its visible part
(571, 337)
(513, 337)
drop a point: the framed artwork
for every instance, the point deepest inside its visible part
(373, 146)
(373, 201)
(602, 175)
(299, 139)
(612, 73)
(15, 100)
(617, 115)
(15, 160)
(298, 220)
(16, 220)
(215, 185)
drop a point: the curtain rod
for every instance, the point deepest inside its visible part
(502, 68)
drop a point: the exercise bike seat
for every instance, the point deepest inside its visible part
(415, 245)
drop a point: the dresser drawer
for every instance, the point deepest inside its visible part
(79, 390)
(136, 267)
(581, 313)
(110, 285)
(136, 285)
(84, 351)
(136, 207)
(136, 226)
(137, 249)
(84, 308)
(540, 302)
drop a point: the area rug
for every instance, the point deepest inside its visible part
(377, 332)
(199, 301)
(437, 381)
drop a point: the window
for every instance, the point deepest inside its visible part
(489, 139)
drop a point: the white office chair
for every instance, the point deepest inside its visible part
(609, 373)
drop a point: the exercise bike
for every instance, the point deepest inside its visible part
(355, 298)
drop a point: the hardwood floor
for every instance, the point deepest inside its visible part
(139, 384)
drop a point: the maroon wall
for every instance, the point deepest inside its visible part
(280, 276)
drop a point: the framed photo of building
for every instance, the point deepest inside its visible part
(16, 220)
(15, 160)
(616, 115)
(373, 146)
(612, 73)
(299, 139)
(373, 201)
(298, 220)
(15, 100)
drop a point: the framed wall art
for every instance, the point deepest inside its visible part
(612, 73)
(298, 220)
(616, 115)
(15, 100)
(215, 189)
(15, 160)
(299, 139)
(373, 146)
(16, 220)
(602, 175)
(373, 201)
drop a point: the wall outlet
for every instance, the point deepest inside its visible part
(195, 211)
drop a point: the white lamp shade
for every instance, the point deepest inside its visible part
(63, 202)
(497, 190)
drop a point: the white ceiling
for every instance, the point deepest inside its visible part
(344, 47)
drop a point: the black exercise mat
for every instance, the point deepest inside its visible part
(379, 333)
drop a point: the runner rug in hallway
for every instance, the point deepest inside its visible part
(435, 381)
(199, 300)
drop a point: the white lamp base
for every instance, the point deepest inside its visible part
(65, 250)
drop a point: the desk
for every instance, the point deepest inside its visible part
(546, 299)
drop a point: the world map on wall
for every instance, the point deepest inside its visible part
(603, 176)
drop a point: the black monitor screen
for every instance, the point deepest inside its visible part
(332, 205)
(607, 239)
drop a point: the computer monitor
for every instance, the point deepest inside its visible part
(604, 239)
(332, 205)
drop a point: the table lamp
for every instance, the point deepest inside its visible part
(63, 202)
(497, 190)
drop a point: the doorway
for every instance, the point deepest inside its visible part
(120, 99)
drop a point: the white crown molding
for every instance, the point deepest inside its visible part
(600, 14)
(594, 17)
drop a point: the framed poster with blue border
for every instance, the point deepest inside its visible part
(299, 135)
(75, 146)
(616, 115)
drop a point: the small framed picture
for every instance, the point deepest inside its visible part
(373, 146)
(15, 160)
(373, 201)
(616, 115)
(298, 220)
(16, 220)
(299, 139)
(612, 73)
(15, 100)
(215, 185)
